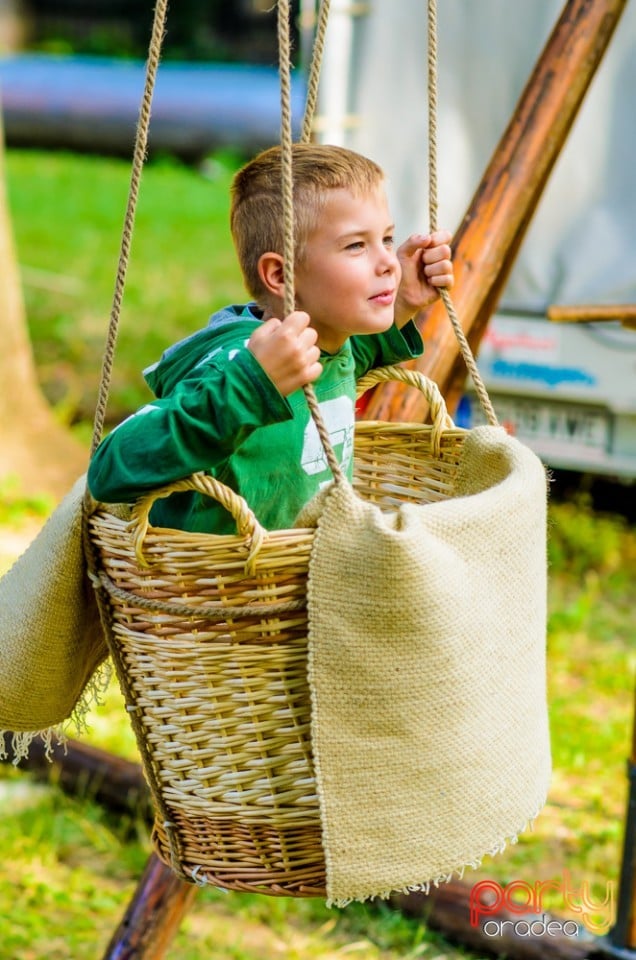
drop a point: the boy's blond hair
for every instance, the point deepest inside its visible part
(256, 214)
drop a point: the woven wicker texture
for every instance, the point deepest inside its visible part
(218, 691)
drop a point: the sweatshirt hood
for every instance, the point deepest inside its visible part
(180, 360)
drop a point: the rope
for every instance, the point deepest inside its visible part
(284, 46)
(314, 70)
(284, 55)
(140, 148)
(211, 611)
(464, 346)
(139, 155)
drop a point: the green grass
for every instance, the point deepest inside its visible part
(69, 867)
(17, 509)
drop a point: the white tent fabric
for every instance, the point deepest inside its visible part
(374, 99)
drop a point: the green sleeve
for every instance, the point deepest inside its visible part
(196, 427)
(382, 349)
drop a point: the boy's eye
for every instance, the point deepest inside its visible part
(388, 240)
(356, 245)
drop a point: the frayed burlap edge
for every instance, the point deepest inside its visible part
(58, 734)
(457, 873)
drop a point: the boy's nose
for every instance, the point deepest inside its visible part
(388, 261)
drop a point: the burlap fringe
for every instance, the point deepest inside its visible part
(92, 696)
(456, 873)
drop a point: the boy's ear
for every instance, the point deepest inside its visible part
(270, 270)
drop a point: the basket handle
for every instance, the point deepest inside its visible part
(441, 419)
(246, 523)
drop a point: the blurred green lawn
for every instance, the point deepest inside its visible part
(68, 215)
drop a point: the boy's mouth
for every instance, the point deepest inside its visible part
(384, 298)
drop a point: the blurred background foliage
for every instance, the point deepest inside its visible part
(198, 29)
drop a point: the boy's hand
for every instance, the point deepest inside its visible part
(287, 352)
(426, 266)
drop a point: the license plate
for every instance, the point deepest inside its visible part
(550, 428)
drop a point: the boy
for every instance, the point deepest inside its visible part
(229, 398)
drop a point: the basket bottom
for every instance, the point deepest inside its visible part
(286, 861)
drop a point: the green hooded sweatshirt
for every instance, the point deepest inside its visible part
(217, 411)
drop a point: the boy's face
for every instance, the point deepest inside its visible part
(349, 275)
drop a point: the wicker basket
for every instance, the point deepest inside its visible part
(209, 638)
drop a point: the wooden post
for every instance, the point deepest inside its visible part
(153, 915)
(486, 246)
(624, 313)
(491, 232)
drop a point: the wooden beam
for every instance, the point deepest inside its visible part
(153, 916)
(161, 899)
(495, 223)
(624, 313)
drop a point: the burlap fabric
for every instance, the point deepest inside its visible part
(51, 638)
(427, 671)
